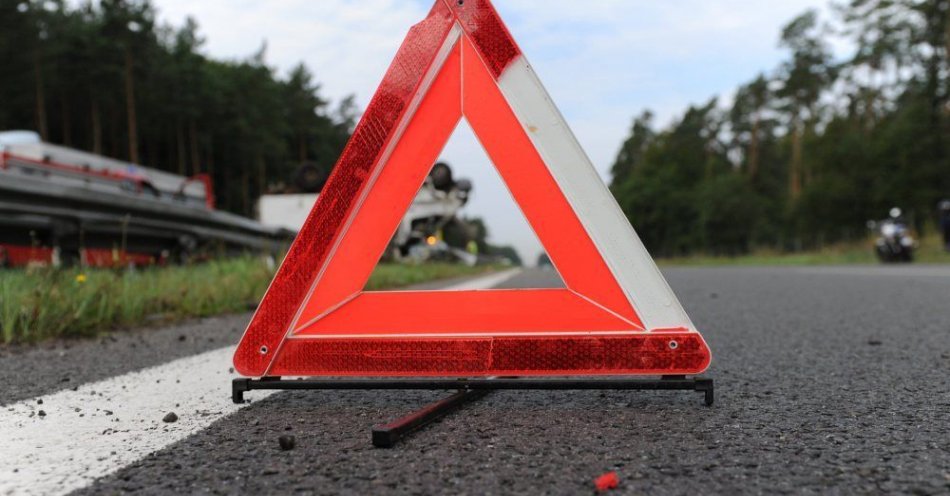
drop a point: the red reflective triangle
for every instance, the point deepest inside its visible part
(316, 319)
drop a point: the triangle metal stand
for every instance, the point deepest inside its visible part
(467, 390)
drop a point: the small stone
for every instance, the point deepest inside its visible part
(41, 413)
(39, 401)
(182, 337)
(875, 342)
(287, 443)
(231, 370)
(170, 418)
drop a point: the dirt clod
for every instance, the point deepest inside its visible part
(287, 443)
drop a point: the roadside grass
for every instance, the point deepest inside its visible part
(41, 304)
(930, 251)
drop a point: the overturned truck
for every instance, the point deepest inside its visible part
(65, 207)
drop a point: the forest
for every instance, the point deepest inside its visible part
(804, 155)
(799, 157)
(107, 77)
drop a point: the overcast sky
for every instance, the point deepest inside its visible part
(603, 61)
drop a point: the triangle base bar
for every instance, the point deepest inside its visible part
(653, 353)
(387, 435)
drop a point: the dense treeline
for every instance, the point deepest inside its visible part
(107, 77)
(808, 153)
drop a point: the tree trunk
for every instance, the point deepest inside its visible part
(261, 174)
(96, 128)
(153, 149)
(795, 169)
(114, 131)
(41, 124)
(209, 161)
(67, 128)
(130, 107)
(245, 192)
(754, 148)
(180, 141)
(195, 153)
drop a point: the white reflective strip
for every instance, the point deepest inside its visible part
(593, 203)
(107, 425)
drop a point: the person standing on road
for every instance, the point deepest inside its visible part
(945, 223)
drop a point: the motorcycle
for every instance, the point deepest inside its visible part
(894, 241)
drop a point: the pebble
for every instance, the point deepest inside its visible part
(287, 443)
(170, 418)
(41, 413)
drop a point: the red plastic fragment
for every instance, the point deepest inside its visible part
(607, 482)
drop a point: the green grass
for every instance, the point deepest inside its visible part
(930, 251)
(40, 304)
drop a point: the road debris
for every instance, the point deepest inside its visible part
(607, 482)
(287, 443)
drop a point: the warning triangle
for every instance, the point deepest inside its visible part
(616, 316)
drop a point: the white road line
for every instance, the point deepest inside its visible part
(104, 426)
(484, 282)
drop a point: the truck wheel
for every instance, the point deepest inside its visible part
(441, 176)
(311, 178)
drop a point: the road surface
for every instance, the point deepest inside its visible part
(829, 380)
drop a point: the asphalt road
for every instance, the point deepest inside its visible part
(829, 381)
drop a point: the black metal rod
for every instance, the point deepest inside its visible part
(702, 385)
(387, 435)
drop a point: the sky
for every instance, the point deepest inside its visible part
(603, 62)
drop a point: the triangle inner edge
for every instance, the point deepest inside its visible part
(498, 132)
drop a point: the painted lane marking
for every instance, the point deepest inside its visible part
(104, 426)
(484, 282)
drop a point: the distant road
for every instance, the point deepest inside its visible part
(883, 270)
(829, 380)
